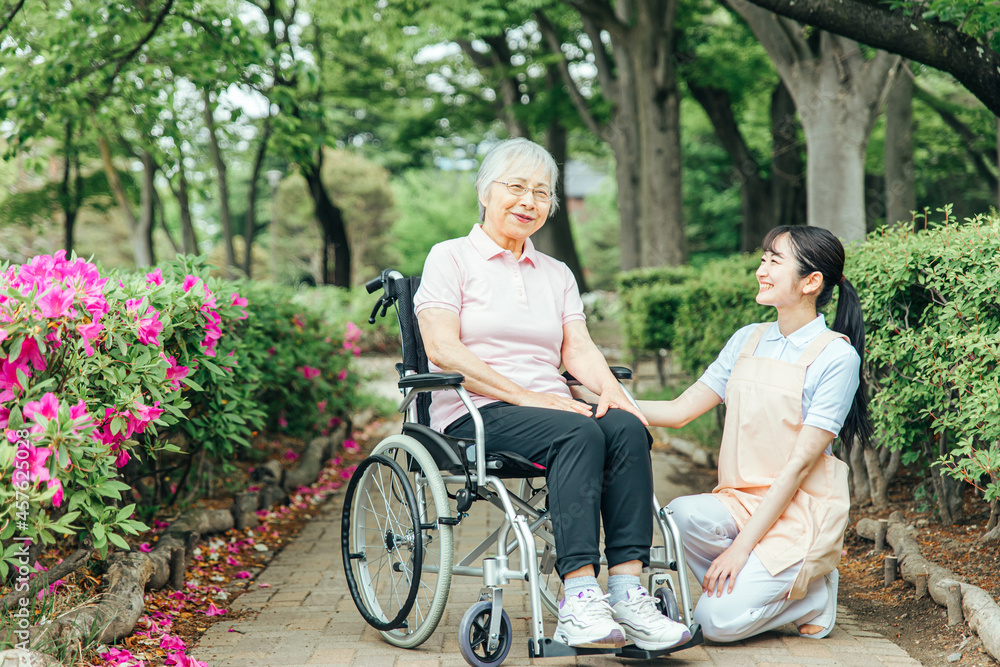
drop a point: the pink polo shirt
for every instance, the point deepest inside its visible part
(511, 313)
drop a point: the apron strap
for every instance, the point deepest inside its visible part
(754, 339)
(817, 346)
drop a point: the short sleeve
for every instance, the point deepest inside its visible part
(717, 374)
(572, 303)
(834, 390)
(440, 282)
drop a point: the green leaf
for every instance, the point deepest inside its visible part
(118, 541)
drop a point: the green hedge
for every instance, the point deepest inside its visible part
(690, 312)
(932, 309)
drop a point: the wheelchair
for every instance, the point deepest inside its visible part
(404, 501)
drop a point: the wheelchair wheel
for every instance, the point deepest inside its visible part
(437, 540)
(666, 602)
(381, 542)
(473, 636)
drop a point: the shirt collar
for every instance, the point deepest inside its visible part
(798, 338)
(489, 249)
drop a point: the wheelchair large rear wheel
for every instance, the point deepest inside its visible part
(381, 542)
(437, 539)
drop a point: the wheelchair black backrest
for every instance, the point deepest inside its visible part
(414, 358)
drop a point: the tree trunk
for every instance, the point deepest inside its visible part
(70, 189)
(147, 204)
(332, 227)
(223, 183)
(250, 223)
(661, 221)
(788, 192)
(141, 251)
(838, 92)
(876, 479)
(555, 238)
(754, 190)
(861, 487)
(900, 192)
(189, 240)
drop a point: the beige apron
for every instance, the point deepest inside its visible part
(763, 420)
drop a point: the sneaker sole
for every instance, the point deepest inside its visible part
(661, 646)
(614, 640)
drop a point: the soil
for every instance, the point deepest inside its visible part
(920, 626)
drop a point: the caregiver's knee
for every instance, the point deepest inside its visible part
(722, 621)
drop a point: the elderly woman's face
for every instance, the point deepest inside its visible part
(512, 217)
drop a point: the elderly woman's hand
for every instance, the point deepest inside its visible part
(613, 396)
(534, 399)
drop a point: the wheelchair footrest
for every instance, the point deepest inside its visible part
(550, 648)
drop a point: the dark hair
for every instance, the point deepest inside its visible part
(816, 249)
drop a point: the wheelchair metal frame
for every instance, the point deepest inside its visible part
(524, 518)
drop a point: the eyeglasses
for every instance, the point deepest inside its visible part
(519, 190)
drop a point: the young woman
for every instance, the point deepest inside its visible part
(766, 542)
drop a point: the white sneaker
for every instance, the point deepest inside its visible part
(585, 621)
(645, 625)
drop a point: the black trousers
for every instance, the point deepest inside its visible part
(594, 468)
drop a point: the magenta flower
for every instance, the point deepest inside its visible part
(242, 574)
(183, 660)
(321, 406)
(150, 327)
(308, 372)
(145, 548)
(48, 407)
(87, 333)
(342, 375)
(37, 470)
(213, 610)
(175, 373)
(352, 446)
(189, 282)
(154, 277)
(172, 643)
(55, 302)
(290, 455)
(117, 656)
(238, 300)
(122, 459)
(57, 497)
(353, 332)
(271, 350)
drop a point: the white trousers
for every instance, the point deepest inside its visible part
(759, 601)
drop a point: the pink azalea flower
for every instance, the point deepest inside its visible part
(57, 498)
(238, 300)
(55, 302)
(48, 407)
(308, 372)
(321, 406)
(271, 350)
(145, 548)
(172, 643)
(263, 585)
(353, 332)
(37, 470)
(117, 656)
(242, 574)
(282, 422)
(3, 334)
(342, 375)
(154, 277)
(183, 660)
(290, 455)
(189, 282)
(352, 446)
(150, 327)
(298, 321)
(88, 332)
(122, 459)
(213, 610)
(176, 373)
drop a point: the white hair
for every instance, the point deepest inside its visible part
(517, 153)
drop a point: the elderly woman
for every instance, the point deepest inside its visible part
(502, 314)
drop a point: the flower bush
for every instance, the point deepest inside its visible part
(99, 372)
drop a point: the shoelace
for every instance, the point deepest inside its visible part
(645, 607)
(593, 605)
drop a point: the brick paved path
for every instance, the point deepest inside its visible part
(307, 616)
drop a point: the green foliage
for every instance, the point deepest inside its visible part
(691, 312)
(931, 306)
(434, 206)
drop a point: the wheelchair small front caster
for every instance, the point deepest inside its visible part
(666, 602)
(474, 636)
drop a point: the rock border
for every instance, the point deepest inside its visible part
(978, 606)
(130, 573)
(699, 455)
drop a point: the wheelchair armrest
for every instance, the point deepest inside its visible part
(620, 373)
(431, 380)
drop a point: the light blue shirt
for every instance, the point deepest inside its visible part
(831, 380)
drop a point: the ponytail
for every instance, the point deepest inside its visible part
(816, 249)
(849, 321)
